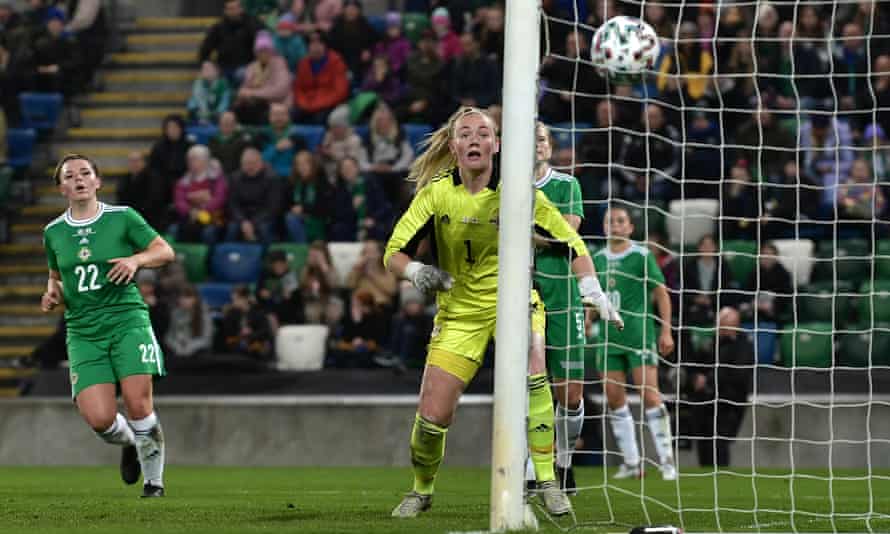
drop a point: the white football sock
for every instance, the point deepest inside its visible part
(568, 428)
(660, 428)
(119, 433)
(150, 445)
(625, 435)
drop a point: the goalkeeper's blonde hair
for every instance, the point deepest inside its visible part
(438, 155)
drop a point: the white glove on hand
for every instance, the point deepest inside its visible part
(592, 295)
(428, 279)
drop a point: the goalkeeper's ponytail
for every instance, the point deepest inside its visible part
(437, 155)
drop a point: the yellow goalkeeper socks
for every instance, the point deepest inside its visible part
(427, 451)
(540, 426)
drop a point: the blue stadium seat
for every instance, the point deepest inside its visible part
(311, 133)
(363, 131)
(239, 263)
(216, 294)
(40, 110)
(765, 341)
(416, 133)
(201, 133)
(378, 22)
(20, 147)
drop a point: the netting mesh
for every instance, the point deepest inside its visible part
(753, 161)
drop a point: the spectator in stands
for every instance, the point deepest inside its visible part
(146, 192)
(667, 262)
(425, 75)
(741, 203)
(490, 32)
(339, 141)
(475, 79)
(387, 153)
(289, 43)
(210, 97)
(232, 39)
(88, 24)
(771, 285)
(280, 140)
(191, 326)
(307, 215)
(795, 196)
(254, 200)
(326, 14)
(200, 198)
(318, 282)
(600, 149)
(229, 143)
(694, 64)
(826, 144)
(321, 83)
(368, 274)
(570, 81)
(359, 208)
(245, 328)
(57, 58)
(705, 282)
(395, 46)
(381, 79)
(411, 329)
(723, 379)
(851, 65)
(354, 38)
(860, 200)
(658, 144)
(449, 45)
(267, 81)
(765, 144)
(167, 158)
(277, 291)
(881, 89)
(298, 13)
(363, 335)
(873, 18)
(704, 158)
(9, 17)
(260, 8)
(738, 89)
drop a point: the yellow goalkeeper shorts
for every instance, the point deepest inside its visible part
(458, 346)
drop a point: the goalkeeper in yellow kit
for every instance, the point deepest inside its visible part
(456, 205)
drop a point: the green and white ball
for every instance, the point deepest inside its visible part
(625, 45)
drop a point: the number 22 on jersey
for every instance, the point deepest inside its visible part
(86, 277)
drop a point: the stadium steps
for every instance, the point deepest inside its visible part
(144, 133)
(156, 80)
(18, 336)
(185, 41)
(153, 59)
(135, 98)
(172, 24)
(12, 352)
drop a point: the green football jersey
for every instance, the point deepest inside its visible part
(629, 278)
(79, 250)
(553, 271)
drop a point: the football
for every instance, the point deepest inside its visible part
(624, 45)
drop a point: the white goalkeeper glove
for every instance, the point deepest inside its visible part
(428, 279)
(592, 295)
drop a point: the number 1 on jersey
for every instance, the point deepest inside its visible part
(469, 259)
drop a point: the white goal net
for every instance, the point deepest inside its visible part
(754, 163)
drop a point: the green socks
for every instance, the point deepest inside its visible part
(540, 427)
(427, 451)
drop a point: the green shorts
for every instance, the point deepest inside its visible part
(626, 360)
(107, 360)
(565, 344)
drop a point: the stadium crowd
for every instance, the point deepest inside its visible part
(768, 110)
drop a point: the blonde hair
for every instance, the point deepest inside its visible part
(437, 155)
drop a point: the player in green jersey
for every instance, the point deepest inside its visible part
(565, 313)
(633, 280)
(456, 205)
(94, 250)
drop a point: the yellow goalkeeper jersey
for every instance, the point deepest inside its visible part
(464, 239)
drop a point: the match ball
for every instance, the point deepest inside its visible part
(625, 45)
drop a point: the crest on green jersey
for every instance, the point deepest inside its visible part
(84, 253)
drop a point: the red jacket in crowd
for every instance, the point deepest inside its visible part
(324, 89)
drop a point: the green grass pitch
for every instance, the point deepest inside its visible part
(358, 500)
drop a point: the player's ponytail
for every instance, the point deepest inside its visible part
(437, 155)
